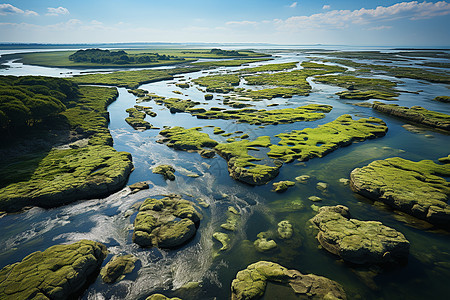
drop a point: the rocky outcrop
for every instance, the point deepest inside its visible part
(282, 186)
(249, 176)
(166, 223)
(285, 230)
(251, 282)
(264, 243)
(416, 188)
(166, 171)
(117, 267)
(359, 242)
(60, 272)
(415, 114)
(138, 186)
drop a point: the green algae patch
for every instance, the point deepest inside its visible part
(270, 93)
(251, 282)
(60, 272)
(228, 63)
(64, 176)
(175, 104)
(218, 83)
(282, 186)
(263, 243)
(160, 297)
(285, 230)
(317, 142)
(241, 165)
(308, 112)
(444, 99)
(181, 138)
(417, 188)
(365, 95)
(116, 269)
(233, 217)
(359, 242)
(166, 171)
(136, 118)
(361, 88)
(166, 223)
(222, 238)
(131, 79)
(415, 114)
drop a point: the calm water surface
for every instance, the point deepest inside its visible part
(426, 274)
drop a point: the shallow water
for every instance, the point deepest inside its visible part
(164, 271)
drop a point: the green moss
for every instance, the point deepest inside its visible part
(167, 223)
(186, 139)
(282, 186)
(365, 95)
(308, 112)
(131, 79)
(209, 96)
(222, 238)
(233, 217)
(445, 160)
(317, 142)
(177, 105)
(270, 93)
(136, 117)
(264, 243)
(218, 83)
(445, 99)
(64, 176)
(415, 114)
(60, 272)
(417, 188)
(285, 230)
(117, 267)
(165, 170)
(160, 297)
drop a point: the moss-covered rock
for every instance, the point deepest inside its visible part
(222, 238)
(251, 282)
(445, 160)
(60, 272)
(365, 95)
(241, 165)
(417, 188)
(359, 242)
(415, 114)
(138, 186)
(166, 223)
(117, 267)
(445, 99)
(176, 105)
(209, 96)
(317, 142)
(160, 297)
(264, 243)
(64, 176)
(166, 171)
(186, 139)
(233, 217)
(285, 230)
(282, 186)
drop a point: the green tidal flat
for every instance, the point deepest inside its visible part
(231, 172)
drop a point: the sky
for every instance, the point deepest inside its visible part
(337, 22)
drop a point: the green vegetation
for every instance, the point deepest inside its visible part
(218, 83)
(282, 186)
(120, 57)
(186, 139)
(60, 272)
(417, 188)
(270, 68)
(222, 238)
(361, 88)
(117, 267)
(131, 79)
(219, 53)
(175, 104)
(137, 115)
(29, 100)
(445, 99)
(400, 72)
(166, 223)
(359, 242)
(251, 282)
(240, 163)
(83, 169)
(228, 63)
(308, 112)
(270, 93)
(165, 170)
(437, 65)
(415, 114)
(233, 217)
(317, 142)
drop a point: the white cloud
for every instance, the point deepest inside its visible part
(241, 23)
(382, 27)
(95, 22)
(52, 11)
(293, 5)
(7, 9)
(326, 6)
(343, 18)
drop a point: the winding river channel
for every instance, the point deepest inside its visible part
(108, 220)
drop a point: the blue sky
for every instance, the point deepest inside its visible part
(350, 22)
